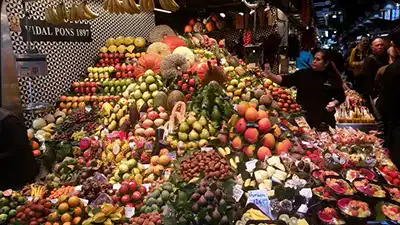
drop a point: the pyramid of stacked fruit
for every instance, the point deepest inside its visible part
(146, 88)
(255, 134)
(284, 98)
(150, 121)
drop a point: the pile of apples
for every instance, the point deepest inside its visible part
(255, 135)
(73, 102)
(109, 59)
(188, 84)
(85, 87)
(99, 72)
(124, 70)
(150, 121)
(285, 101)
(130, 194)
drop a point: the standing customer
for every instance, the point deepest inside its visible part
(389, 101)
(17, 162)
(319, 90)
(372, 63)
(356, 60)
(307, 43)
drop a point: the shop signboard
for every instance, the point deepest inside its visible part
(40, 30)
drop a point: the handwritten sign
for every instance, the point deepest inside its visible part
(129, 211)
(237, 192)
(251, 165)
(261, 200)
(116, 186)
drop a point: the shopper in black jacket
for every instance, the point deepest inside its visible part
(319, 90)
(389, 101)
(17, 163)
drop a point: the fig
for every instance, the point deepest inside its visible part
(209, 196)
(224, 220)
(202, 201)
(216, 215)
(202, 190)
(195, 196)
(195, 208)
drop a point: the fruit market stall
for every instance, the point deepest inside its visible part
(176, 130)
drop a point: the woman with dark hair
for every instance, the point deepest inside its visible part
(319, 90)
(307, 43)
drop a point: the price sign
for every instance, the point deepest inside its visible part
(206, 149)
(78, 188)
(85, 201)
(146, 166)
(147, 186)
(237, 192)
(251, 165)
(54, 201)
(116, 186)
(261, 200)
(129, 212)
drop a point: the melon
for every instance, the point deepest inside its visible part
(160, 100)
(140, 42)
(39, 123)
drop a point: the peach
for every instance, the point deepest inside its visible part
(262, 114)
(281, 147)
(249, 150)
(237, 143)
(263, 152)
(268, 141)
(242, 108)
(251, 135)
(241, 126)
(251, 114)
(264, 125)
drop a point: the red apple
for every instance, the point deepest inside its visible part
(118, 74)
(125, 199)
(142, 190)
(185, 87)
(124, 189)
(192, 82)
(105, 55)
(136, 196)
(179, 83)
(93, 89)
(101, 61)
(123, 67)
(124, 74)
(132, 186)
(129, 74)
(100, 55)
(87, 89)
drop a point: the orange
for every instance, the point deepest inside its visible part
(53, 217)
(164, 160)
(77, 211)
(76, 220)
(56, 223)
(47, 223)
(73, 201)
(143, 54)
(163, 151)
(67, 223)
(154, 160)
(63, 207)
(66, 218)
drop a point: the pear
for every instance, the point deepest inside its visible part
(204, 134)
(193, 135)
(197, 126)
(203, 143)
(143, 87)
(211, 129)
(146, 96)
(182, 136)
(191, 119)
(203, 121)
(184, 127)
(150, 79)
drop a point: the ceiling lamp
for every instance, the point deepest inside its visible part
(162, 10)
(240, 13)
(222, 15)
(252, 11)
(334, 16)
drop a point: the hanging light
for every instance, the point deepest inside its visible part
(222, 15)
(267, 8)
(162, 10)
(241, 14)
(252, 11)
(334, 16)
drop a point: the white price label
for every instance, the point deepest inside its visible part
(116, 149)
(54, 200)
(129, 212)
(116, 186)
(85, 201)
(147, 186)
(206, 149)
(237, 192)
(261, 200)
(29, 198)
(251, 165)
(78, 188)
(146, 166)
(303, 209)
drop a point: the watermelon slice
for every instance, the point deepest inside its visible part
(325, 217)
(367, 173)
(342, 203)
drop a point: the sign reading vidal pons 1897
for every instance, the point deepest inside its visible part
(42, 31)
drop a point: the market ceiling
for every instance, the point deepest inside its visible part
(329, 12)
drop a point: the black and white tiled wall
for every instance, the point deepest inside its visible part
(68, 60)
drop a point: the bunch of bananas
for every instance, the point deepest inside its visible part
(78, 135)
(170, 5)
(124, 6)
(61, 14)
(255, 214)
(108, 215)
(37, 191)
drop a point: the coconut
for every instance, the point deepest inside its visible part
(174, 97)
(160, 100)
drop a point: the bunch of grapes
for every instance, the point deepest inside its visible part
(92, 188)
(62, 136)
(67, 125)
(79, 116)
(91, 126)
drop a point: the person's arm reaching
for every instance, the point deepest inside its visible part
(287, 80)
(353, 63)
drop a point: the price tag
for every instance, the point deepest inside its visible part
(206, 149)
(88, 108)
(261, 200)
(78, 188)
(132, 145)
(303, 209)
(251, 165)
(237, 192)
(235, 106)
(116, 186)
(54, 200)
(146, 166)
(147, 186)
(116, 149)
(85, 201)
(29, 198)
(171, 155)
(166, 174)
(129, 212)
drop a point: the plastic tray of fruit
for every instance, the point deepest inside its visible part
(354, 209)
(339, 186)
(320, 174)
(323, 193)
(330, 216)
(369, 188)
(261, 222)
(391, 211)
(390, 174)
(352, 174)
(393, 193)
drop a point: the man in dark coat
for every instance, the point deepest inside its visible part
(17, 163)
